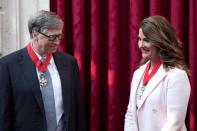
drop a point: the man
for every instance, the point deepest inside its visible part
(40, 87)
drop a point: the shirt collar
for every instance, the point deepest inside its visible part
(40, 57)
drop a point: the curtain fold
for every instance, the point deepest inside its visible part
(193, 62)
(102, 36)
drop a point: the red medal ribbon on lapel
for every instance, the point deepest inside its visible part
(148, 76)
(39, 64)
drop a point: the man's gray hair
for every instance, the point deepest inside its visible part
(44, 20)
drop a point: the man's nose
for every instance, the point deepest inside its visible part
(57, 41)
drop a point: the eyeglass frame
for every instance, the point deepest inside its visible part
(53, 37)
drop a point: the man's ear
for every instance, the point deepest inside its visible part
(34, 34)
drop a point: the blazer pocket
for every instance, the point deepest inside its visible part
(154, 111)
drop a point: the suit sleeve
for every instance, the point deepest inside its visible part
(5, 99)
(130, 122)
(78, 100)
(128, 125)
(177, 101)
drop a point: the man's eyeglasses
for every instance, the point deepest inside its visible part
(53, 37)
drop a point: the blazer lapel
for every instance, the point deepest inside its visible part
(136, 80)
(29, 70)
(134, 85)
(64, 73)
(152, 84)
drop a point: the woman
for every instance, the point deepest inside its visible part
(160, 88)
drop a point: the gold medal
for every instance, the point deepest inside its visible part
(142, 88)
(42, 80)
(140, 92)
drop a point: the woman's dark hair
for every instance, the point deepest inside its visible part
(163, 36)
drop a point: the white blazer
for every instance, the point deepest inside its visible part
(163, 105)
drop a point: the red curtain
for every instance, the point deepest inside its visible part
(102, 35)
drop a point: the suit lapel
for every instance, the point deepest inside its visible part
(152, 84)
(64, 73)
(134, 85)
(136, 80)
(29, 70)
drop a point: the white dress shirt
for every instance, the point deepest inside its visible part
(57, 88)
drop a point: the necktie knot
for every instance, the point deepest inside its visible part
(42, 59)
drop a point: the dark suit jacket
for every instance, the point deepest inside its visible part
(21, 104)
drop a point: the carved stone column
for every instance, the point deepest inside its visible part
(1, 25)
(14, 15)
